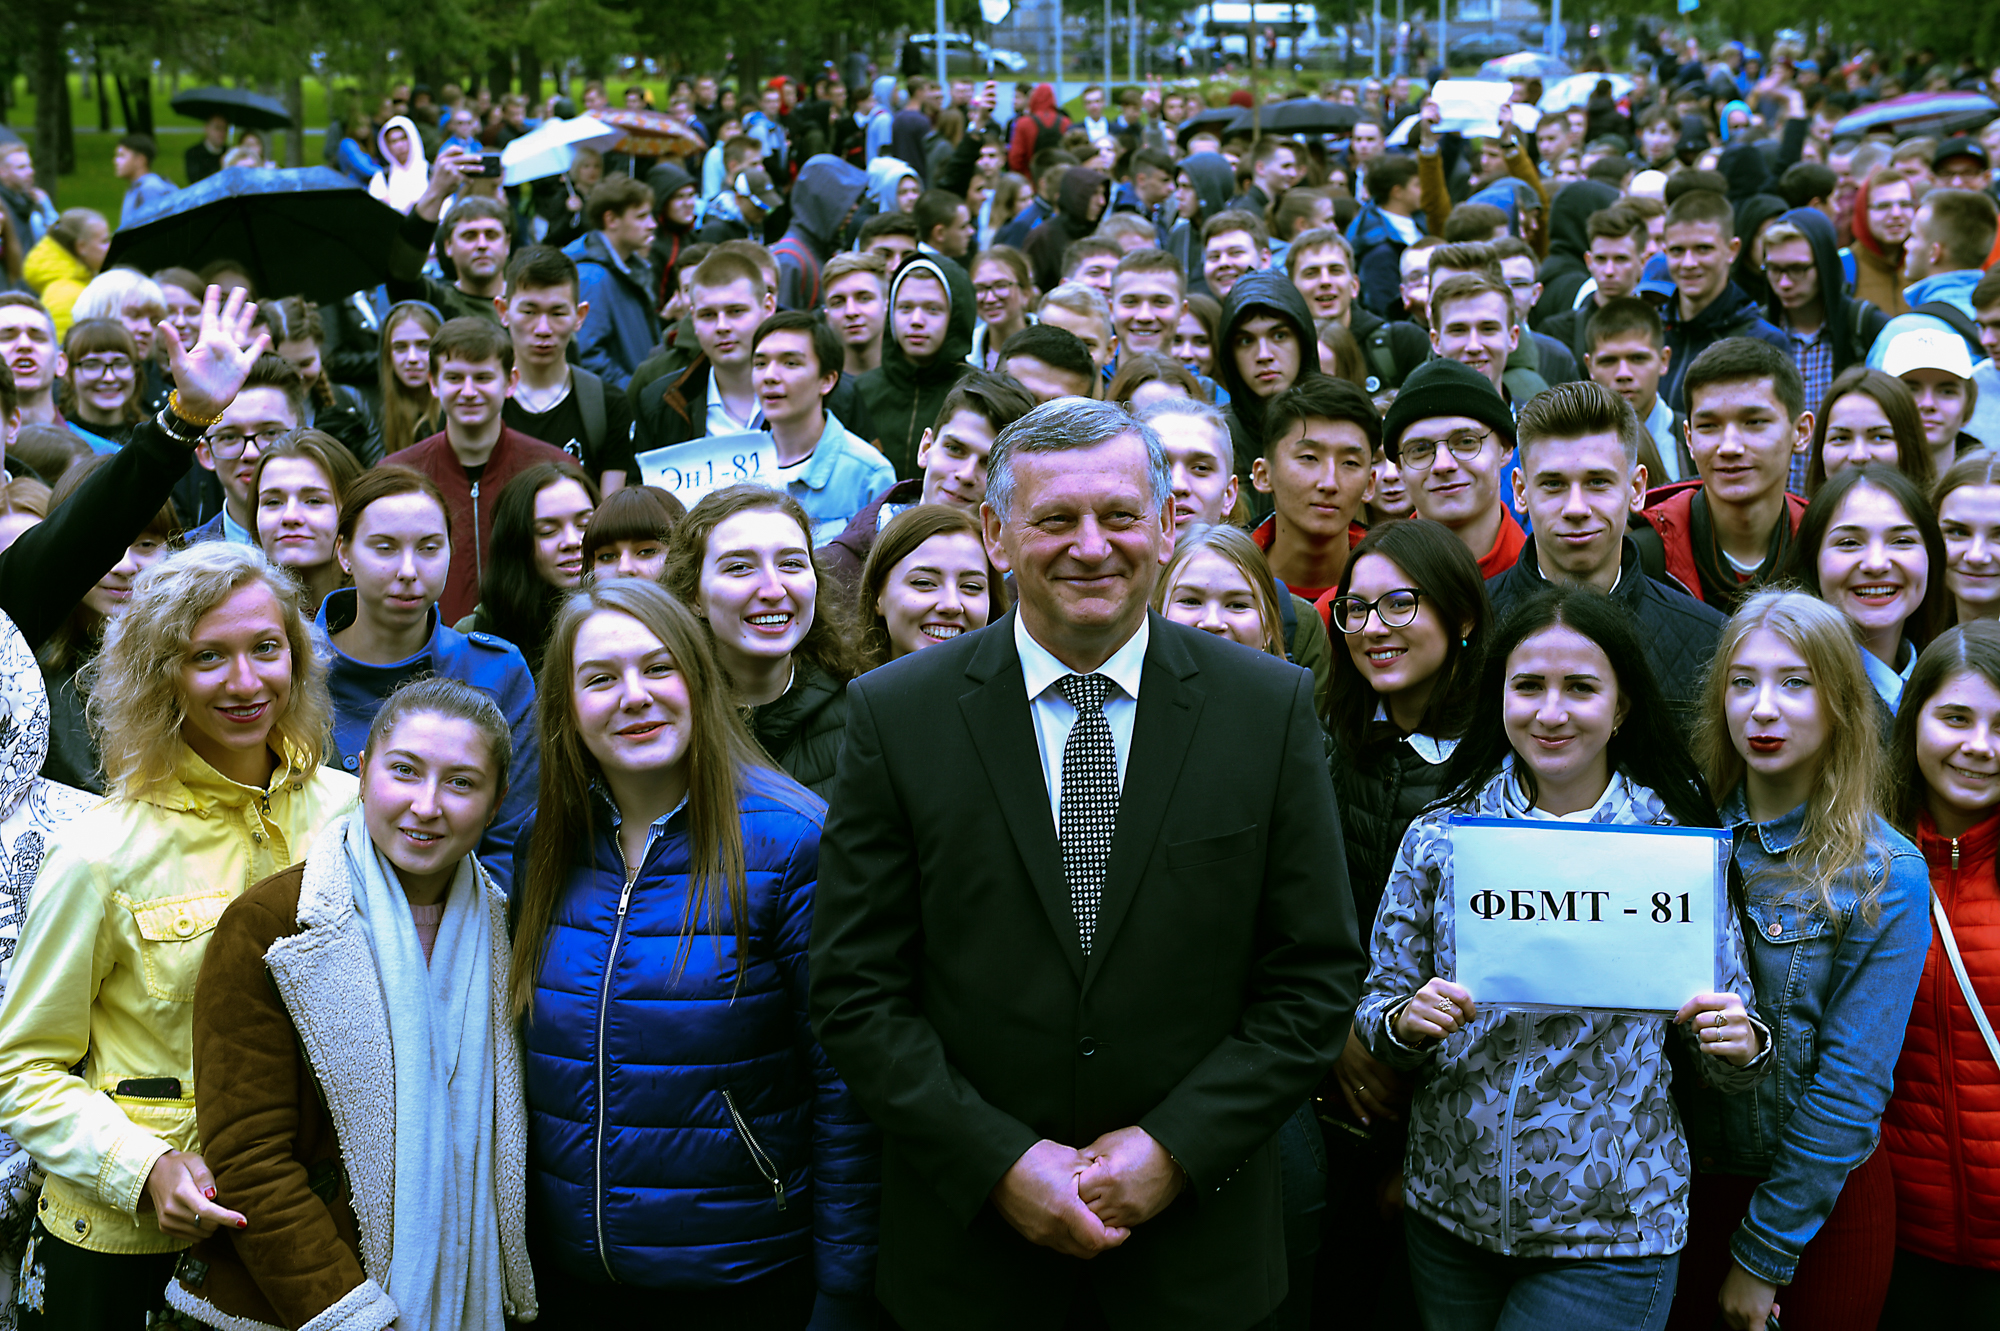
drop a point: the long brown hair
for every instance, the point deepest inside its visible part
(827, 642)
(897, 541)
(720, 756)
(408, 414)
(1913, 452)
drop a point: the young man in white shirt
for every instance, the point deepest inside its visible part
(728, 298)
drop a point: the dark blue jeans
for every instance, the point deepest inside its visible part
(1464, 1288)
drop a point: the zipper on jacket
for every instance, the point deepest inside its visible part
(757, 1156)
(1954, 854)
(478, 550)
(603, 1015)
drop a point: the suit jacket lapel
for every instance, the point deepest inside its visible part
(996, 713)
(1161, 733)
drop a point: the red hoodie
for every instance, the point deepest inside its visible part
(1042, 114)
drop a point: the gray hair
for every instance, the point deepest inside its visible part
(1070, 424)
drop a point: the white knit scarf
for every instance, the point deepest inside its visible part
(444, 1265)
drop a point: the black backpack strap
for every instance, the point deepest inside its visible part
(590, 404)
(1289, 614)
(1652, 550)
(1381, 358)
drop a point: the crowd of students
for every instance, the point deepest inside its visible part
(441, 949)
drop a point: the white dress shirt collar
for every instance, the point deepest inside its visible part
(1040, 670)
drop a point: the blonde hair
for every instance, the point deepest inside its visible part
(1081, 300)
(114, 291)
(136, 708)
(1840, 820)
(1233, 544)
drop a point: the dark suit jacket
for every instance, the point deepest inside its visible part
(950, 989)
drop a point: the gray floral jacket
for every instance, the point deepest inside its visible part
(1536, 1134)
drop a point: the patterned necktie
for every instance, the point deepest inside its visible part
(1089, 799)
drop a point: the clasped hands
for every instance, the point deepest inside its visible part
(1084, 1202)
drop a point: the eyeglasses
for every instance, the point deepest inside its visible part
(1395, 608)
(229, 444)
(1790, 272)
(100, 367)
(1419, 454)
(996, 290)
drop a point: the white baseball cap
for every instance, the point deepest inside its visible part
(1927, 349)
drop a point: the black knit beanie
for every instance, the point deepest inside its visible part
(1444, 388)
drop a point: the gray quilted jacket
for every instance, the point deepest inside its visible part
(1536, 1134)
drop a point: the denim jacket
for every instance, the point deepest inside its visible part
(1836, 994)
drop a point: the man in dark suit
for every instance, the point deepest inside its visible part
(1083, 937)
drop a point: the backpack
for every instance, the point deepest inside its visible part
(808, 263)
(1288, 613)
(1381, 359)
(1047, 136)
(590, 404)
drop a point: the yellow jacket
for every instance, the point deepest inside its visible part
(115, 933)
(57, 277)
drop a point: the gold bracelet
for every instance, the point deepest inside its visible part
(201, 422)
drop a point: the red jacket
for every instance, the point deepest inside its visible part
(471, 505)
(1667, 510)
(1942, 1128)
(1043, 113)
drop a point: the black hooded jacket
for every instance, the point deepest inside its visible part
(1852, 324)
(903, 396)
(1564, 272)
(1258, 293)
(1214, 181)
(667, 180)
(1071, 223)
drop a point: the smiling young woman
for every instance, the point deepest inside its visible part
(1868, 546)
(742, 561)
(691, 1141)
(297, 489)
(360, 998)
(1792, 1207)
(1940, 1132)
(1567, 724)
(1968, 512)
(927, 580)
(210, 709)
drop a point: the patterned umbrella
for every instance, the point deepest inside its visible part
(651, 134)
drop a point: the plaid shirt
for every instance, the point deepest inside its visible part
(1813, 354)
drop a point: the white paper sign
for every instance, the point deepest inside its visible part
(1587, 915)
(1471, 107)
(690, 470)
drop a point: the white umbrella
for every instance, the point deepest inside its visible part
(1575, 90)
(549, 149)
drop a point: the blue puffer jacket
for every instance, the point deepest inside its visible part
(684, 1133)
(478, 659)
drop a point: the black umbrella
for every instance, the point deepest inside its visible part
(239, 106)
(310, 232)
(1219, 120)
(1309, 115)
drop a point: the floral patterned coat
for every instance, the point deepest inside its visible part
(1537, 1134)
